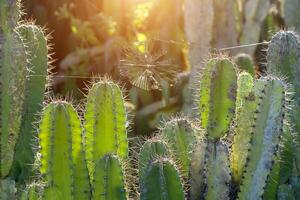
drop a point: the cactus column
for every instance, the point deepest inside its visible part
(62, 159)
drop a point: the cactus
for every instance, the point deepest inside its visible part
(284, 58)
(150, 150)
(197, 170)
(105, 123)
(108, 179)
(13, 72)
(246, 105)
(36, 47)
(161, 181)
(264, 143)
(181, 136)
(32, 192)
(8, 189)
(217, 97)
(217, 177)
(62, 157)
(245, 63)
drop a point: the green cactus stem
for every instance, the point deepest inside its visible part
(264, 143)
(284, 58)
(36, 47)
(161, 181)
(108, 179)
(217, 172)
(217, 97)
(246, 105)
(13, 73)
(105, 123)
(10, 13)
(150, 150)
(62, 162)
(245, 63)
(197, 170)
(181, 136)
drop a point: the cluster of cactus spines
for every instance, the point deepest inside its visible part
(108, 182)
(105, 123)
(62, 162)
(244, 62)
(32, 192)
(266, 133)
(13, 72)
(162, 181)
(246, 105)
(217, 171)
(181, 137)
(217, 96)
(284, 58)
(35, 85)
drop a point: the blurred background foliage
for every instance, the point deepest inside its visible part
(142, 44)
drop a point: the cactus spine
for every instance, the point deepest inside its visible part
(36, 47)
(62, 157)
(217, 97)
(108, 179)
(13, 72)
(161, 181)
(105, 123)
(265, 139)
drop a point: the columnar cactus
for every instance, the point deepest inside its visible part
(181, 136)
(161, 181)
(13, 72)
(217, 97)
(217, 176)
(109, 179)
(35, 85)
(150, 150)
(246, 105)
(284, 58)
(105, 123)
(62, 162)
(266, 132)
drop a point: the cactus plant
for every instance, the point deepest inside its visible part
(12, 59)
(217, 97)
(264, 143)
(284, 58)
(105, 123)
(161, 181)
(62, 161)
(181, 136)
(150, 150)
(108, 179)
(246, 105)
(35, 85)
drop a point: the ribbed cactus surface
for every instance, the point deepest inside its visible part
(62, 162)
(105, 123)
(13, 72)
(264, 143)
(35, 85)
(109, 179)
(217, 95)
(181, 137)
(161, 181)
